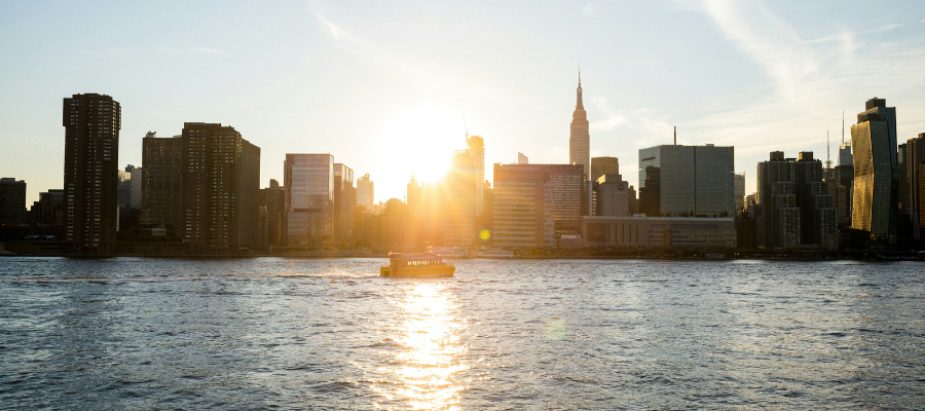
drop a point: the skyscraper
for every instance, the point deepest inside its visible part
(221, 188)
(91, 163)
(273, 200)
(522, 159)
(915, 180)
(344, 202)
(876, 172)
(162, 181)
(365, 192)
(580, 139)
(687, 181)
(12, 201)
(604, 165)
(535, 204)
(309, 181)
(476, 149)
(460, 192)
(740, 192)
(794, 207)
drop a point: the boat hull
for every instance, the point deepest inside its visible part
(417, 272)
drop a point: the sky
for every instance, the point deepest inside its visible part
(391, 88)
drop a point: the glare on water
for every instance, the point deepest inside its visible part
(431, 354)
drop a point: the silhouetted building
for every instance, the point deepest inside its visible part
(915, 181)
(844, 175)
(604, 165)
(365, 192)
(687, 181)
(12, 201)
(221, 188)
(49, 210)
(522, 159)
(309, 180)
(91, 157)
(425, 207)
(344, 202)
(534, 205)
(794, 207)
(162, 181)
(273, 200)
(876, 172)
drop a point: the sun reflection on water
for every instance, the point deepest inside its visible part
(431, 354)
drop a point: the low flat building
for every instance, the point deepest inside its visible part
(659, 232)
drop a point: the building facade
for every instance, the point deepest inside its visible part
(740, 192)
(91, 157)
(12, 201)
(876, 172)
(476, 149)
(535, 204)
(162, 181)
(687, 181)
(460, 194)
(344, 202)
(915, 181)
(220, 174)
(365, 192)
(604, 165)
(309, 182)
(659, 232)
(612, 196)
(794, 208)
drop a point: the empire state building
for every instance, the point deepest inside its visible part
(579, 145)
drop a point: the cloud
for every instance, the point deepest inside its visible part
(200, 50)
(587, 9)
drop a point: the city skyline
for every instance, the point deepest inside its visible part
(350, 84)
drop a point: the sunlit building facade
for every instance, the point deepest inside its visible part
(365, 192)
(604, 165)
(344, 202)
(460, 192)
(915, 180)
(309, 182)
(91, 164)
(535, 204)
(876, 172)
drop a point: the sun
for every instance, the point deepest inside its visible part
(419, 142)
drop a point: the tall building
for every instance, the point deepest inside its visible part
(740, 192)
(220, 174)
(12, 201)
(365, 192)
(91, 163)
(534, 205)
(461, 186)
(522, 159)
(273, 200)
(580, 138)
(794, 207)
(309, 181)
(162, 181)
(844, 176)
(915, 181)
(344, 202)
(687, 181)
(604, 165)
(612, 196)
(876, 172)
(476, 148)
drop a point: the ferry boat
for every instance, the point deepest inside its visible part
(427, 265)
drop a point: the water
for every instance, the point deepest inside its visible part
(270, 333)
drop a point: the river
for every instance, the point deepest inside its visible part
(275, 333)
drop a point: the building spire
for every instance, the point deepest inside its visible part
(580, 105)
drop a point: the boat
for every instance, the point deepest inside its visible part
(428, 265)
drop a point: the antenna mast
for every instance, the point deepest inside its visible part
(675, 135)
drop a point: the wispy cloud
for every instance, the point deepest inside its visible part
(588, 9)
(191, 50)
